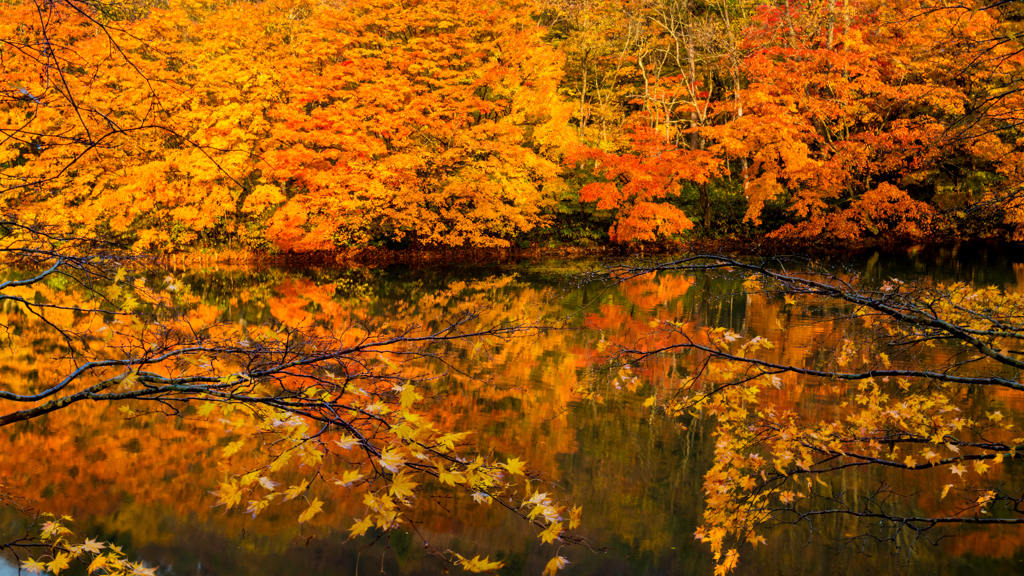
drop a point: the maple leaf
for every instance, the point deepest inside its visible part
(390, 460)
(315, 507)
(554, 565)
(249, 478)
(957, 469)
(92, 546)
(232, 448)
(360, 527)
(295, 491)
(60, 562)
(349, 478)
(53, 528)
(99, 562)
(449, 477)
(409, 396)
(574, 517)
(552, 533)
(141, 570)
(230, 493)
(728, 564)
(346, 442)
(480, 565)
(257, 506)
(33, 566)
(515, 466)
(402, 485)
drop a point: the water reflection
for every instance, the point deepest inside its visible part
(144, 483)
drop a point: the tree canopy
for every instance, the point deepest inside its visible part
(296, 126)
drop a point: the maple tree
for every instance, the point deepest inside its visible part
(655, 79)
(847, 120)
(335, 414)
(904, 373)
(302, 127)
(308, 126)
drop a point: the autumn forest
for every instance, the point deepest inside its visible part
(819, 374)
(299, 126)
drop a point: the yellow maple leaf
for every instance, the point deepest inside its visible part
(515, 466)
(480, 565)
(315, 507)
(551, 533)
(574, 517)
(92, 546)
(409, 396)
(33, 566)
(230, 493)
(728, 564)
(295, 491)
(346, 442)
(945, 490)
(449, 477)
(390, 461)
(232, 448)
(257, 506)
(59, 563)
(98, 563)
(360, 527)
(402, 485)
(554, 565)
(249, 478)
(349, 478)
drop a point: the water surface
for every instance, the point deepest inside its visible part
(144, 483)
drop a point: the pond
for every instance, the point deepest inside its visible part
(144, 481)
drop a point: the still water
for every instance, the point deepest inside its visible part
(144, 483)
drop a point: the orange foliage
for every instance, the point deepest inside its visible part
(308, 125)
(848, 111)
(637, 185)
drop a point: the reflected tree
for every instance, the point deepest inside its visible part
(898, 425)
(319, 413)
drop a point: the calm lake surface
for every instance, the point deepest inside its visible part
(145, 482)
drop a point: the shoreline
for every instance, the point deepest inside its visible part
(425, 256)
